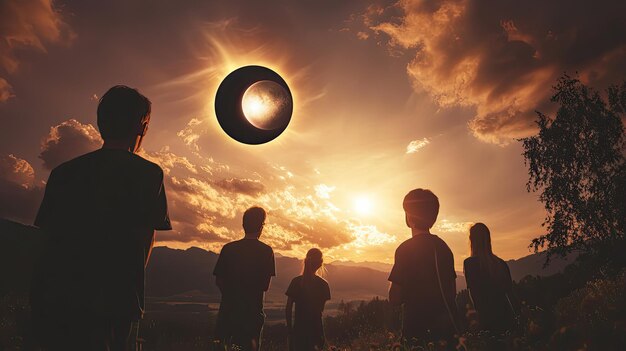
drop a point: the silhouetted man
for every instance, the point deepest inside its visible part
(423, 277)
(243, 272)
(99, 212)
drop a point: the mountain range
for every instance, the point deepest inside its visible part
(186, 275)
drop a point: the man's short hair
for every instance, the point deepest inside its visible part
(421, 207)
(253, 220)
(120, 111)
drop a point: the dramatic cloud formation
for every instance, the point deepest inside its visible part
(29, 24)
(18, 191)
(168, 160)
(415, 145)
(243, 186)
(502, 57)
(207, 199)
(6, 91)
(190, 134)
(355, 110)
(323, 191)
(68, 140)
(16, 170)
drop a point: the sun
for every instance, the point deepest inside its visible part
(363, 205)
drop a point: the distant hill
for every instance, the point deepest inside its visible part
(521, 267)
(174, 272)
(533, 265)
(379, 266)
(187, 274)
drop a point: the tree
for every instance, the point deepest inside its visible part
(577, 163)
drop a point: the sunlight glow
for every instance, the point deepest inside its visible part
(363, 205)
(267, 105)
(255, 107)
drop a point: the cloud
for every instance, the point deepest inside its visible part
(168, 160)
(415, 145)
(16, 170)
(314, 221)
(323, 191)
(447, 226)
(30, 24)
(19, 193)
(67, 141)
(203, 198)
(502, 57)
(207, 200)
(369, 235)
(191, 133)
(242, 186)
(6, 90)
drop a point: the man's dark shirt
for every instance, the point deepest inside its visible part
(245, 266)
(100, 211)
(309, 297)
(415, 272)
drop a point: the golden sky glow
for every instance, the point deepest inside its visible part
(386, 98)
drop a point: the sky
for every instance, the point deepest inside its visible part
(388, 96)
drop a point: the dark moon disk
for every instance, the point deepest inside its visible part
(272, 102)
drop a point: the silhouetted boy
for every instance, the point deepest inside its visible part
(99, 212)
(423, 276)
(243, 272)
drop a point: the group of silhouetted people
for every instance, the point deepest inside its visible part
(100, 211)
(243, 272)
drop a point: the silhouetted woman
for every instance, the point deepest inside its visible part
(489, 282)
(309, 292)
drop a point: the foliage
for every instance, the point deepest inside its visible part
(594, 315)
(577, 162)
(571, 310)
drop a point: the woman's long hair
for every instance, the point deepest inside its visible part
(480, 245)
(314, 262)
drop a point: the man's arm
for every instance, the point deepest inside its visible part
(49, 205)
(288, 319)
(271, 271)
(396, 278)
(266, 283)
(395, 294)
(148, 245)
(220, 271)
(289, 314)
(158, 219)
(450, 279)
(160, 214)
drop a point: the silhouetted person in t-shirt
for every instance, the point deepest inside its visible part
(423, 276)
(243, 272)
(489, 282)
(309, 292)
(99, 213)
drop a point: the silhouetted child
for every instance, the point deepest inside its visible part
(99, 213)
(309, 293)
(489, 282)
(423, 277)
(243, 273)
